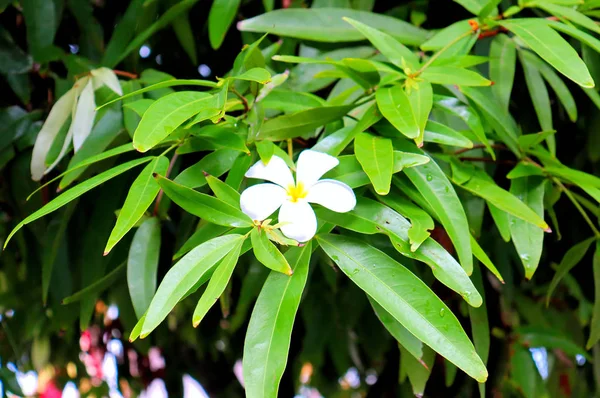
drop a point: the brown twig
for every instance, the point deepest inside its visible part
(491, 33)
(487, 160)
(125, 74)
(161, 193)
(479, 146)
(242, 98)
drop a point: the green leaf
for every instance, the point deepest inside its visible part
(528, 239)
(485, 260)
(160, 85)
(98, 286)
(267, 253)
(204, 206)
(454, 75)
(336, 142)
(502, 220)
(371, 217)
(481, 184)
(444, 135)
(529, 141)
(421, 101)
(538, 93)
(265, 150)
(560, 88)
(216, 163)
(165, 115)
(223, 191)
(578, 34)
(122, 34)
(221, 16)
(290, 101)
(417, 375)
(376, 156)
(551, 47)
(568, 13)
(501, 121)
(406, 298)
(480, 327)
(41, 21)
(184, 275)
(395, 105)
(571, 258)
(406, 339)
(524, 373)
(260, 75)
(432, 183)
(77, 191)
(327, 25)
(392, 49)
(140, 106)
(141, 195)
(269, 332)
(142, 265)
(300, 123)
(503, 60)
(218, 283)
(421, 222)
(595, 322)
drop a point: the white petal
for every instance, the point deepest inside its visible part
(300, 220)
(332, 194)
(275, 171)
(105, 76)
(312, 165)
(83, 121)
(260, 201)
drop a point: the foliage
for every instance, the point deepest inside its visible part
(434, 113)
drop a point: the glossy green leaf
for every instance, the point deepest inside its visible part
(300, 123)
(265, 150)
(533, 336)
(406, 339)
(421, 222)
(421, 102)
(218, 283)
(571, 258)
(223, 191)
(41, 20)
(77, 191)
(578, 34)
(406, 298)
(165, 115)
(560, 88)
(568, 13)
(204, 206)
(503, 123)
(260, 75)
(371, 217)
(290, 101)
(528, 239)
(376, 156)
(551, 47)
(142, 265)
(447, 36)
(327, 25)
(141, 194)
(503, 60)
(216, 163)
(502, 221)
(98, 286)
(432, 183)
(267, 253)
(454, 75)
(269, 332)
(538, 93)
(392, 49)
(417, 375)
(444, 135)
(184, 275)
(140, 106)
(524, 373)
(480, 327)
(395, 105)
(595, 321)
(221, 16)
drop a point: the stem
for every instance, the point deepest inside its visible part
(487, 160)
(290, 149)
(125, 74)
(441, 51)
(242, 98)
(161, 192)
(577, 206)
(480, 146)
(10, 339)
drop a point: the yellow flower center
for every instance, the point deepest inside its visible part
(296, 192)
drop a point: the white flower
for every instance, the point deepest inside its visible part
(296, 216)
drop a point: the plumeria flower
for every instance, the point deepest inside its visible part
(296, 217)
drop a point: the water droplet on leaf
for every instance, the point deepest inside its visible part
(442, 312)
(429, 177)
